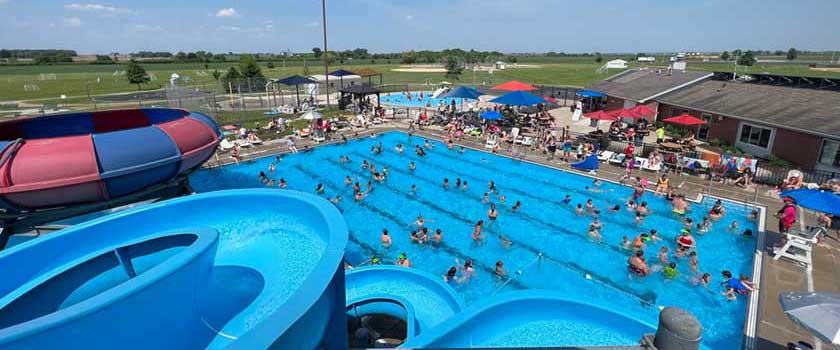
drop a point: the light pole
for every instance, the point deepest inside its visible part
(326, 53)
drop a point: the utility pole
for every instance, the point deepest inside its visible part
(326, 53)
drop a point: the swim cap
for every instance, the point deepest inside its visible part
(685, 231)
(402, 256)
(375, 260)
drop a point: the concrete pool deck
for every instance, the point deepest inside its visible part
(773, 329)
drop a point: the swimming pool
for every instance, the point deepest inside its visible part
(550, 246)
(400, 99)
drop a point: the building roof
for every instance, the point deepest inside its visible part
(641, 85)
(807, 110)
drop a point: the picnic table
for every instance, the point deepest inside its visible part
(672, 146)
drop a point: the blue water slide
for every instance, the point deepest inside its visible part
(422, 300)
(133, 159)
(533, 318)
(207, 271)
(588, 164)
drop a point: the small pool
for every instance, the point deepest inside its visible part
(551, 249)
(402, 99)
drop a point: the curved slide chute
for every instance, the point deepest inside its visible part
(533, 318)
(588, 164)
(422, 300)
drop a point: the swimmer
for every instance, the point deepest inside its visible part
(687, 223)
(643, 209)
(639, 242)
(516, 206)
(486, 198)
(271, 168)
(753, 215)
(684, 241)
(590, 207)
(419, 222)
(426, 144)
(692, 262)
(445, 183)
(654, 237)
(369, 187)
(336, 200)
(357, 188)
(476, 235)
(615, 209)
(579, 209)
(491, 186)
(359, 196)
(732, 286)
(365, 164)
(413, 189)
(663, 255)
(411, 166)
(500, 269)
(502, 199)
(399, 148)
(282, 183)
(464, 186)
(320, 189)
(420, 236)
(375, 261)
(263, 178)
(636, 264)
(385, 239)
(492, 214)
(596, 223)
(437, 237)
(468, 269)
(402, 260)
(704, 226)
(593, 233)
(705, 280)
(639, 218)
(457, 182)
(567, 199)
(596, 183)
(717, 211)
(631, 205)
(462, 149)
(451, 275)
(348, 180)
(670, 271)
(625, 244)
(747, 283)
(733, 227)
(506, 243)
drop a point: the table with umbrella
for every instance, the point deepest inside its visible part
(462, 92)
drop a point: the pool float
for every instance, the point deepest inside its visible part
(65, 159)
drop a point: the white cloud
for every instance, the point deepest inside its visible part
(97, 8)
(147, 28)
(409, 17)
(73, 22)
(313, 24)
(231, 28)
(228, 12)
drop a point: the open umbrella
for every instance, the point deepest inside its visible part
(643, 111)
(600, 115)
(518, 98)
(626, 113)
(296, 80)
(491, 115)
(590, 93)
(311, 115)
(685, 119)
(819, 313)
(462, 92)
(817, 200)
(514, 85)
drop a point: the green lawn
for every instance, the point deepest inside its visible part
(78, 81)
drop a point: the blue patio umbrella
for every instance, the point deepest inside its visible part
(491, 115)
(518, 98)
(296, 80)
(817, 200)
(462, 92)
(590, 93)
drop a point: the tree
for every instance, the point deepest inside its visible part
(599, 58)
(641, 54)
(737, 52)
(747, 59)
(216, 74)
(180, 57)
(317, 52)
(270, 65)
(453, 68)
(409, 57)
(103, 59)
(792, 53)
(136, 74)
(725, 56)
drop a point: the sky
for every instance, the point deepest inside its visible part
(398, 25)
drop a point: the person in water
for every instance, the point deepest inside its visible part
(637, 265)
(445, 183)
(411, 166)
(402, 260)
(516, 206)
(320, 189)
(385, 239)
(437, 237)
(732, 286)
(464, 186)
(500, 269)
(717, 211)
(670, 271)
(476, 235)
(506, 243)
(492, 213)
(451, 275)
(579, 209)
(567, 199)
(282, 183)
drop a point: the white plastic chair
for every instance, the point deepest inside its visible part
(799, 245)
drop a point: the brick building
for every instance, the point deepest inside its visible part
(794, 118)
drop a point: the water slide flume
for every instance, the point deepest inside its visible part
(206, 271)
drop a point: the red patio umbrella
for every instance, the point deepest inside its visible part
(626, 113)
(600, 115)
(685, 119)
(643, 111)
(514, 85)
(550, 99)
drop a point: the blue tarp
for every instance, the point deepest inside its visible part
(462, 92)
(588, 164)
(590, 93)
(518, 98)
(491, 115)
(817, 200)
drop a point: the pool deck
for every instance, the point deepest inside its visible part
(773, 329)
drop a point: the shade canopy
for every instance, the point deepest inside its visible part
(819, 313)
(518, 98)
(462, 92)
(514, 85)
(295, 80)
(491, 115)
(817, 200)
(643, 111)
(590, 93)
(625, 113)
(600, 115)
(685, 119)
(341, 73)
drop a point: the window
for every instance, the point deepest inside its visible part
(703, 130)
(754, 135)
(830, 153)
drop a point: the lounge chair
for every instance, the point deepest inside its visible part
(302, 132)
(652, 166)
(524, 140)
(255, 140)
(318, 136)
(605, 155)
(225, 145)
(243, 143)
(617, 158)
(641, 163)
(492, 142)
(799, 245)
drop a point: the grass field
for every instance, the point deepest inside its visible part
(78, 81)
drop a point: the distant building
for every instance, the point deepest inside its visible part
(648, 59)
(336, 82)
(500, 65)
(617, 64)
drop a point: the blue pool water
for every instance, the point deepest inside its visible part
(571, 264)
(400, 99)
